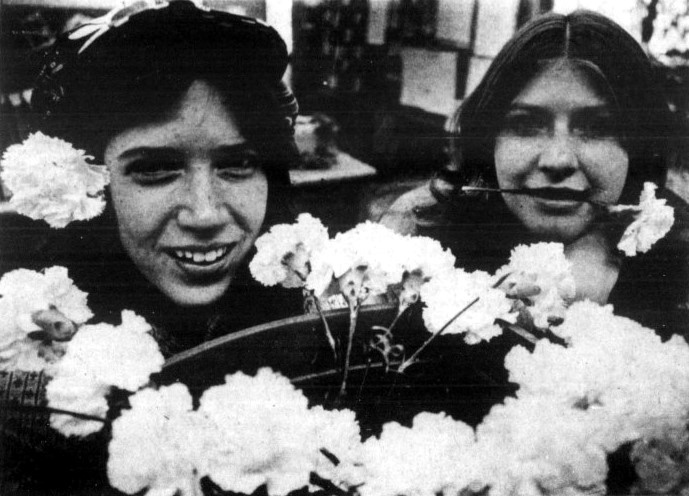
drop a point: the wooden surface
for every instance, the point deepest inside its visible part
(346, 168)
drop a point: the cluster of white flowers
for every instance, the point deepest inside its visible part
(653, 220)
(99, 357)
(614, 383)
(367, 259)
(540, 275)
(24, 294)
(371, 259)
(51, 180)
(247, 432)
(447, 294)
(633, 380)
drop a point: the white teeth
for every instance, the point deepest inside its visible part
(201, 256)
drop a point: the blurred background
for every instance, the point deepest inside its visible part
(376, 79)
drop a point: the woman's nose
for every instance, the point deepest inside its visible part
(558, 156)
(203, 206)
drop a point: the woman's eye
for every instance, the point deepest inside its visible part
(600, 127)
(525, 125)
(154, 171)
(237, 167)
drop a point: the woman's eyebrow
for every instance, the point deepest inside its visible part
(149, 151)
(594, 109)
(231, 150)
(526, 107)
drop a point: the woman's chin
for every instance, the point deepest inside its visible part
(560, 232)
(195, 295)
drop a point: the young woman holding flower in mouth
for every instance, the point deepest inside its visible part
(187, 110)
(566, 121)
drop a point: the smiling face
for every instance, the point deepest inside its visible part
(559, 132)
(189, 196)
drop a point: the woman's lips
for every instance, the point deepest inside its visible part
(202, 262)
(559, 194)
(559, 201)
(200, 256)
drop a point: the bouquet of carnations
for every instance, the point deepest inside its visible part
(589, 383)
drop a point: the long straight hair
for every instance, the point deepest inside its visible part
(614, 61)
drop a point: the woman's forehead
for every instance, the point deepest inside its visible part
(201, 119)
(563, 83)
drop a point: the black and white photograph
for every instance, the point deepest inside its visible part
(344, 247)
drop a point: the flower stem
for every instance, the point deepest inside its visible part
(412, 359)
(326, 327)
(48, 409)
(401, 310)
(354, 304)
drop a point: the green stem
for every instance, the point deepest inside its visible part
(437, 333)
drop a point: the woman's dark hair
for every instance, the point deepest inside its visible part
(134, 68)
(138, 70)
(94, 85)
(594, 44)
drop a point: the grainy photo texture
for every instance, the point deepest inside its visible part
(344, 247)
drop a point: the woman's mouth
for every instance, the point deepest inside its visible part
(203, 261)
(559, 201)
(200, 256)
(547, 194)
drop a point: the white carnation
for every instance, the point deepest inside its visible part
(263, 434)
(426, 256)
(25, 292)
(445, 295)
(284, 253)
(441, 462)
(653, 220)
(371, 249)
(99, 357)
(51, 180)
(424, 259)
(543, 267)
(123, 356)
(536, 446)
(338, 433)
(159, 444)
(73, 394)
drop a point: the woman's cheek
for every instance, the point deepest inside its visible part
(512, 159)
(248, 201)
(141, 212)
(606, 165)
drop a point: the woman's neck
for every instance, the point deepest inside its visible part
(594, 266)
